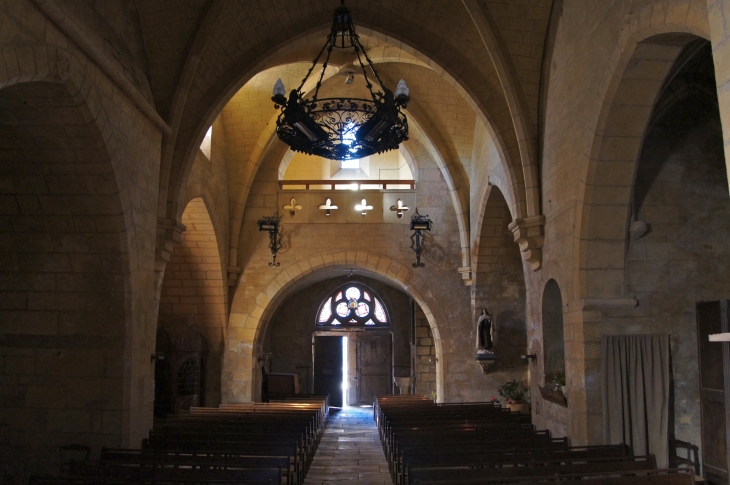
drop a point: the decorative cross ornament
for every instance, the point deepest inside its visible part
(399, 208)
(292, 207)
(328, 207)
(363, 207)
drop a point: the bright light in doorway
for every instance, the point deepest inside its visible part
(344, 371)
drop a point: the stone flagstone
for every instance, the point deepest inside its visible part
(350, 450)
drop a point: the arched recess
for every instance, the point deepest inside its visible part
(67, 315)
(552, 330)
(193, 291)
(194, 109)
(499, 284)
(652, 39)
(681, 199)
(251, 314)
(636, 74)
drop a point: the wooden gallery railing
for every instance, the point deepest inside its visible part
(283, 184)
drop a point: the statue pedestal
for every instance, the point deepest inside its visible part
(403, 383)
(485, 360)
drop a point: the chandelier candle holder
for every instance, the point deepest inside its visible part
(270, 224)
(419, 223)
(342, 128)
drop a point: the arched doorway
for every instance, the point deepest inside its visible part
(302, 333)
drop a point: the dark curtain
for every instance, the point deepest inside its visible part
(635, 384)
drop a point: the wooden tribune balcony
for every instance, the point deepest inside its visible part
(346, 184)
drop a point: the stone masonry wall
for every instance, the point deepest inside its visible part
(425, 372)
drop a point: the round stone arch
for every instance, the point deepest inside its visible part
(248, 327)
(652, 39)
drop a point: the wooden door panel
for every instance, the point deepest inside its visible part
(374, 366)
(328, 368)
(712, 318)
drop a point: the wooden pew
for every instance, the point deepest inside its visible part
(246, 444)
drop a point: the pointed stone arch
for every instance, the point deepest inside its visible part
(652, 38)
(194, 287)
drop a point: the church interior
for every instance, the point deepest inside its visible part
(556, 217)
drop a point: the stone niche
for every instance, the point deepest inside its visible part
(291, 330)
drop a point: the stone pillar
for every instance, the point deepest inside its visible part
(718, 13)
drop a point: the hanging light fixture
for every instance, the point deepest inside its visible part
(419, 223)
(342, 128)
(270, 224)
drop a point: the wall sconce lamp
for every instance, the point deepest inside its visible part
(419, 223)
(531, 357)
(399, 208)
(363, 207)
(328, 207)
(270, 224)
(292, 207)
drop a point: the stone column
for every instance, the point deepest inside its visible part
(718, 13)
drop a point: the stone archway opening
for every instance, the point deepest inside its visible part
(241, 369)
(287, 342)
(194, 295)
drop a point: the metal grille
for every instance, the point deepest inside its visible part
(188, 378)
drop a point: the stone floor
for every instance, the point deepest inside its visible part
(350, 451)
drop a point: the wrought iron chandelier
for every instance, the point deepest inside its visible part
(342, 128)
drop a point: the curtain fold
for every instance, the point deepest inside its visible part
(635, 385)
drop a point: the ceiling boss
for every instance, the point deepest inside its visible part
(342, 128)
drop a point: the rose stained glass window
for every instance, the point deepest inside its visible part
(352, 305)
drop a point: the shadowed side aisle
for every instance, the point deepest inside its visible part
(350, 450)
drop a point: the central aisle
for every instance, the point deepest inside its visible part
(350, 450)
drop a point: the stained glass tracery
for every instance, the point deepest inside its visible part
(352, 305)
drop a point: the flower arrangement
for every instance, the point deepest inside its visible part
(559, 377)
(514, 391)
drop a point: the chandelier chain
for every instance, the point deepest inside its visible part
(314, 64)
(342, 128)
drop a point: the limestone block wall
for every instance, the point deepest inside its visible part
(80, 171)
(194, 289)
(717, 13)
(499, 286)
(681, 193)
(425, 366)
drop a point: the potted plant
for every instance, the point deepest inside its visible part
(517, 395)
(559, 381)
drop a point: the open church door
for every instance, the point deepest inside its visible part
(374, 366)
(328, 368)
